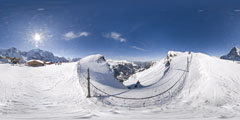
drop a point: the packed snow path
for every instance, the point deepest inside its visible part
(45, 92)
(159, 84)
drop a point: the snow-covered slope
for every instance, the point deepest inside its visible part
(158, 70)
(234, 54)
(211, 81)
(157, 81)
(210, 90)
(100, 70)
(44, 92)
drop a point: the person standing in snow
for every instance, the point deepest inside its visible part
(137, 84)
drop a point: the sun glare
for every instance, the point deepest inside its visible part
(37, 37)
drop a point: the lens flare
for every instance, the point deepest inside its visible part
(37, 37)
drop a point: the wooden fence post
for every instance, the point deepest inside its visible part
(88, 79)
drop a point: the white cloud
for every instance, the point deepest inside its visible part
(40, 9)
(236, 10)
(118, 37)
(200, 10)
(115, 36)
(138, 48)
(85, 34)
(71, 35)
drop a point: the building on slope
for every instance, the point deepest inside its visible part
(35, 63)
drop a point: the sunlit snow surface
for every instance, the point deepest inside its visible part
(211, 91)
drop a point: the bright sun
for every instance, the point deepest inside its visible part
(37, 37)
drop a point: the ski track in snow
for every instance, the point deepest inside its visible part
(210, 91)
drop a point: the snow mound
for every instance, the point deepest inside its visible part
(211, 81)
(100, 70)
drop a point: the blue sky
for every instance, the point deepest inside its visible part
(121, 29)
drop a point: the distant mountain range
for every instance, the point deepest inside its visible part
(234, 54)
(34, 54)
(124, 69)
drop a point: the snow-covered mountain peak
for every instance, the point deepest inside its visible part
(36, 54)
(234, 54)
(122, 62)
(11, 52)
(13, 49)
(175, 53)
(95, 58)
(234, 51)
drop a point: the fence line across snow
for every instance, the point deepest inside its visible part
(105, 94)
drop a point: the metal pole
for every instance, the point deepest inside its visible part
(187, 64)
(88, 79)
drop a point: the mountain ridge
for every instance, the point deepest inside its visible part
(37, 54)
(234, 54)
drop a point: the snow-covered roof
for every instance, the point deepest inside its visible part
(35, 61)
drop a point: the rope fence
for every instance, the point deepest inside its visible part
(100, 95)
